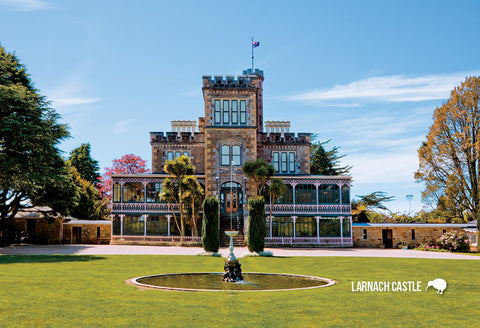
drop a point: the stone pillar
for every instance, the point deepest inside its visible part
(121, 224)
(294, 226)
(168, 224)
(318, 229)
(144, 225)
(341, 230)
(271, 224)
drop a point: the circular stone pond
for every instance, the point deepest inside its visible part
(213, 282)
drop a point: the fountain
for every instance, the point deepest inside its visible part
(233, 271)
(211, 281)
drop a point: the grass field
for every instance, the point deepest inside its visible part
(90, 291)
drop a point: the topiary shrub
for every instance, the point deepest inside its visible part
(210, 230)
(256, 224)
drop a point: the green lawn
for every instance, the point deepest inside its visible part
(90, 291)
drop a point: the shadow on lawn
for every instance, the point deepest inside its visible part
(10, 259)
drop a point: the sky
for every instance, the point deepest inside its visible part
(366, 75)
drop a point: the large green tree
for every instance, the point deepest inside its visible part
(367, 204)
(323, 162)
(29, 135)
(450, 157)
(86, 166)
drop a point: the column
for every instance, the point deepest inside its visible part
(340, 195)
(318, 229)
(168, 224)
(294, 218)
(316, 196)
(144, 225)
(293, 190)
(121, 224)
(341, 230)
(271, 225)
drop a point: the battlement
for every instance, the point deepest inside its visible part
(245, 81)
(272, 138)
(173, 137)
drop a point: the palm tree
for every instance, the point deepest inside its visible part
(192, 193)
(170, 195)
(260, 171)
(276, 190)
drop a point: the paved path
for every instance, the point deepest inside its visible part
(162, 250)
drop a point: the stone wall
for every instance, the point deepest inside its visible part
(399, 234)
(47, 231)
(89, 233)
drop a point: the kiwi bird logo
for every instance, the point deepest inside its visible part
(439, 284)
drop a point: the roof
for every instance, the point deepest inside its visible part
(415, 225)
(88, 222)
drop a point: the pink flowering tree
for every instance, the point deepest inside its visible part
(128, 164)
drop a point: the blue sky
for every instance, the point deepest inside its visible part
(366, 74)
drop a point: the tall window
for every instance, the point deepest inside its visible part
(329, 194)
(226, 112)
(305, 194)
(234, 112)
(217, 113)
(243, 112)
(345, 194)
(230, 154)
(282, 227)
(306, 227)
(225, 155)
(117, 192)
(283, 161)
(133, 192)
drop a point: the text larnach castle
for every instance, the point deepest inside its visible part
(315, 210)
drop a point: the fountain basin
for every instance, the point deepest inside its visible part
(208, 281)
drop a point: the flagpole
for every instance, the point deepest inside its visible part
(252, 55)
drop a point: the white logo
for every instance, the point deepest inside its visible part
(439, 284)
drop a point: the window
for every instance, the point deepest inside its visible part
(305, 194)
(230, 154)
(364, 234)
(117, 192)
(133, 225)
(226, 112)
(345, 194)
(284, 162)
(329, 194)
(234, 112)
(329, 228)
(287, 197)
(282, 227)
(243, 112)
(413, 234)
(98, 232)
(157, 225)
(225, 155)
(153, 192)
(116, 225)
(171, 155)
(217, 112)
(306, 227)
(236, 155)
(133, 192)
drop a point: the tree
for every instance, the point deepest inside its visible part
(90, 206)
(193, 195)
(449, 160)
(210, 225)
(324, 162)
(178, 169)
(86, 166)
(29, 134)
(369, 203)
(260, 171)
(127, 164)
(276, 189)
(256, 224)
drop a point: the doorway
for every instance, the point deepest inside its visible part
(76, 235)
(231, 202)
(387, 237)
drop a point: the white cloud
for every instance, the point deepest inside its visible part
(121, 126)
(75, 101)
(25, 5)
(397, 88)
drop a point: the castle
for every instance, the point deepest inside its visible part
(315, 210)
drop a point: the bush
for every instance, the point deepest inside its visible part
(256, 224)
(210, 229)
(453, 241)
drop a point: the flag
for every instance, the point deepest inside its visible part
(255, 44)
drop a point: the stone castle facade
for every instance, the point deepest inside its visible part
(315, 210)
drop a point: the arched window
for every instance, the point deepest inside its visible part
(329, 194)
(154, 189)
(305, 194)
(117, 192)
(133, 192)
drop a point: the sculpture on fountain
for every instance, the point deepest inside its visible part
(233, 270)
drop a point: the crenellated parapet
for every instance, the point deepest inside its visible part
(175, 137)
(247, 81)
(271, 138)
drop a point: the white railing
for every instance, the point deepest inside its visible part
(309, 241)
(168, 240)
(145, 207)
(312, 209)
